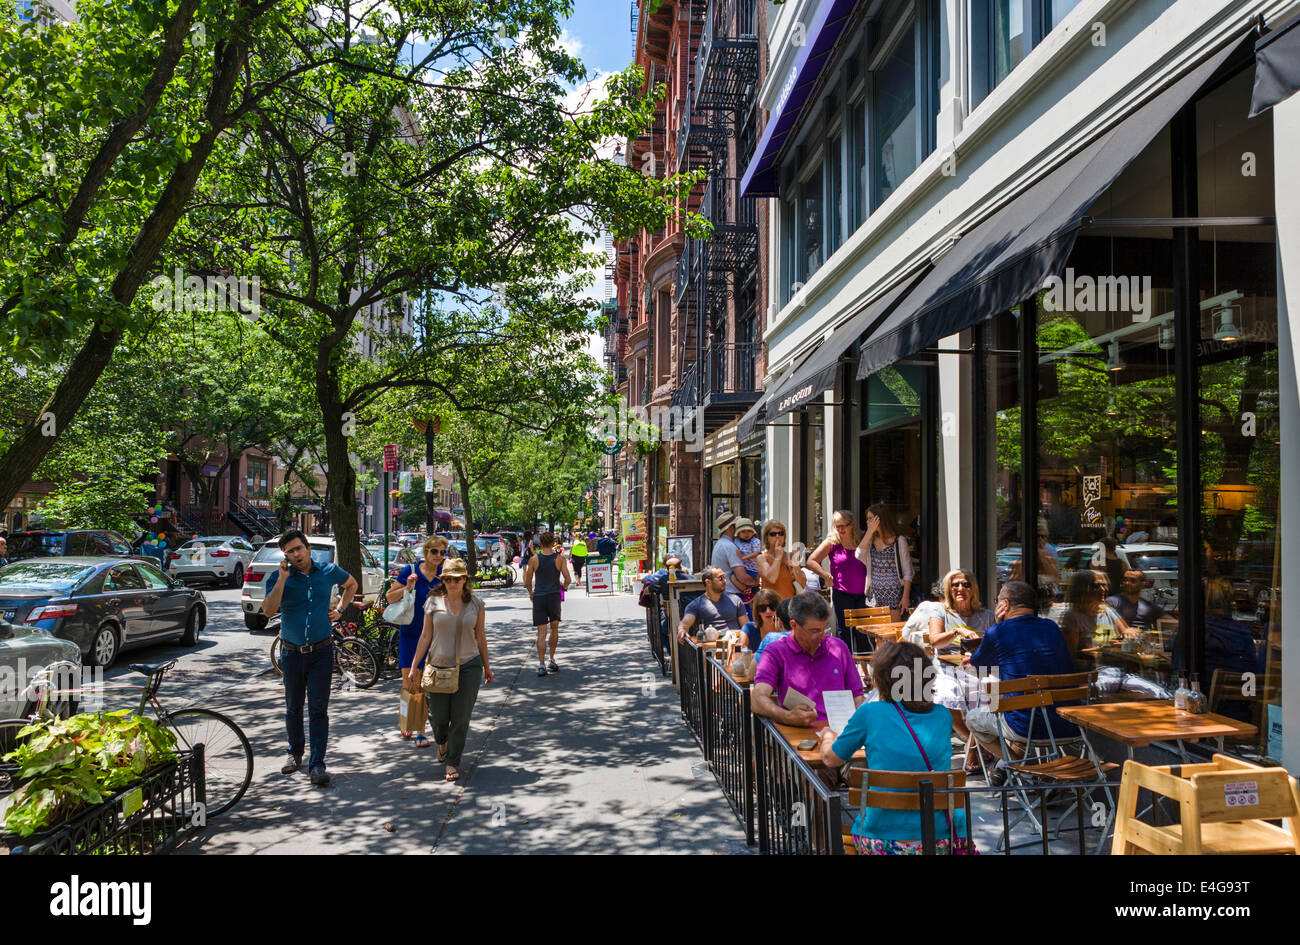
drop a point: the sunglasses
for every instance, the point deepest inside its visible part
(436, 552)
(766, 608)
(449, 579)
(965, 584)
(776, 532)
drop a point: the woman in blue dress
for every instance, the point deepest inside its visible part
(423, 576)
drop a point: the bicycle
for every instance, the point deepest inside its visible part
(227, 753)
(354, 659)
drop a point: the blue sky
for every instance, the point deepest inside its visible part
(603, 28)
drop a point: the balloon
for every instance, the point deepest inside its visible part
(162, 544)
(153, 518)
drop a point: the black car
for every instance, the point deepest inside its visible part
(101, 542)
(104, 605)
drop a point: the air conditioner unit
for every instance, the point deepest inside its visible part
(661, 511)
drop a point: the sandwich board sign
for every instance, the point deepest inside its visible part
(600, 578)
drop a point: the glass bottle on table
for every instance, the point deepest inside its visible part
(1197, 704)
(1180, 694)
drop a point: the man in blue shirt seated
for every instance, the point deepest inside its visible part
(656, 583)
(300, 589)
(1021, 644)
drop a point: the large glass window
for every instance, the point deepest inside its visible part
(834, 193)
(815, 524)
(1011, 39)
(1002, 394)
(858, 165)
(894, 116)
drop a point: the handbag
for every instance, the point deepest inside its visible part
(958, 846)
(445, 680)
(403, 611)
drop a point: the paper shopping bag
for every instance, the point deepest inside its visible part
(412, 712)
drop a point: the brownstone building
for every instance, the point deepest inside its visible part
(685, 341)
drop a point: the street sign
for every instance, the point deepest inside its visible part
(428, 478)
(390, 458)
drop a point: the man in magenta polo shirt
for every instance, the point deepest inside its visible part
(808, 661)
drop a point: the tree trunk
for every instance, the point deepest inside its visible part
(471, 547)
(339, 476)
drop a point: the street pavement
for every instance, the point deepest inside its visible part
(594, 759)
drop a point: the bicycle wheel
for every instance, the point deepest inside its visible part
(227, 755)
(354, 657)
(275, 656)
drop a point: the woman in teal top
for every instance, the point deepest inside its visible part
(898, 735)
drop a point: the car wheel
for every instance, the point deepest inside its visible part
(237, 579)
(103, 647)
(193, 627)
(255, 622)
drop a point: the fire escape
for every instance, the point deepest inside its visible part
(717, 374)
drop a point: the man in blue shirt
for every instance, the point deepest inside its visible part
(607, 547)
(1021, 644)
(300, 588)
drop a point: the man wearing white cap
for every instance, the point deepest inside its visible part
(727, 556)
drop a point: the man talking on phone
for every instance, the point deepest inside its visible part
(301, 589)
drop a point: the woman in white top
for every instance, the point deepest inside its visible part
(958, 614)
(888, 561)
(453, 635)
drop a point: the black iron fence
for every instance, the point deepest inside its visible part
(654, 615)
(797, 811)
(150, 816)
(695, 699)
(731, 740)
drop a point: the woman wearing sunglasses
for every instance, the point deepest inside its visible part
(423, 576)
(776, 570)
(453, 636)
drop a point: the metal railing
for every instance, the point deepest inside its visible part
(654, 618)
(695, 697)
(729, 367)
(687, 392)
(1082, 812)
(797, 812)
(733, 245)
(726, 65)
(731, 740)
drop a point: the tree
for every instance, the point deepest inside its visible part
(106, 125)
(416, 226)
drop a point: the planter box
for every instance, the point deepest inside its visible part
(150, 816)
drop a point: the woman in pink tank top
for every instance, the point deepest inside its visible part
(847, 576)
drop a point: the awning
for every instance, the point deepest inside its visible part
(1277, 67)
(1006, 259)
(753, 418)
(817, 374)
(822, 40)
(720, 447)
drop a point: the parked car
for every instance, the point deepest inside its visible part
(103, 605)
(24, 651)
(410, 539)
(222, 558)
(322, 551)
(62, 544)
(398, 556)
(1158, 562)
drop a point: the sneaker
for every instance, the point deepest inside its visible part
(319, 776)
(552, 667)
(541, 669)
(291, 763)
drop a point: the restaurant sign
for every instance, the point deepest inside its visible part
(600, 577)
(634, 536)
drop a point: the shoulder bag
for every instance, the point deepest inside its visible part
(445, 680)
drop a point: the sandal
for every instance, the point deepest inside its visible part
(452, 774)
(442, 751)
(421, 741)
(405, 734)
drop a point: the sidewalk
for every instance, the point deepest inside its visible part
(594, 759)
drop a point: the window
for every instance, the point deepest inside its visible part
(858, 165)
(893, 113)
(835, 192)
(811, 209)
(123, 578)
(152, 578)
(1004, 31)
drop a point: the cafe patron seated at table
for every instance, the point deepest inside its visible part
(716, 608)
(797, 670)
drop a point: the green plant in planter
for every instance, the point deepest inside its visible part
(67, 764)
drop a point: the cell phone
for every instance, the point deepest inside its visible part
(808, 744)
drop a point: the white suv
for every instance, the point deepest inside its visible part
(322, 551)
(222, 558)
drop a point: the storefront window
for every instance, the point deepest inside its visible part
(1011, 36)
(893, 393)
(1107, 464)
(751, 487)
(815, 478)
(810, 218)
(1003, 396)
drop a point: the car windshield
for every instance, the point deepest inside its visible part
(321, 554)
(1154, 561)
(55, 575)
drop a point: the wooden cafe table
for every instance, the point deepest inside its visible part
(794, 734)
(1151, 722)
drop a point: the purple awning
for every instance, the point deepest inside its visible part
(829, 26)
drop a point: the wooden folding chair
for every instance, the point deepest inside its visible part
(859, 618)
(1224, 807)
(900, 790)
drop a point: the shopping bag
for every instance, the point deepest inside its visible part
(413, 712)
(402, 611)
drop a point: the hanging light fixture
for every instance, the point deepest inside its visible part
(1227, 330)
(1114, 362)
